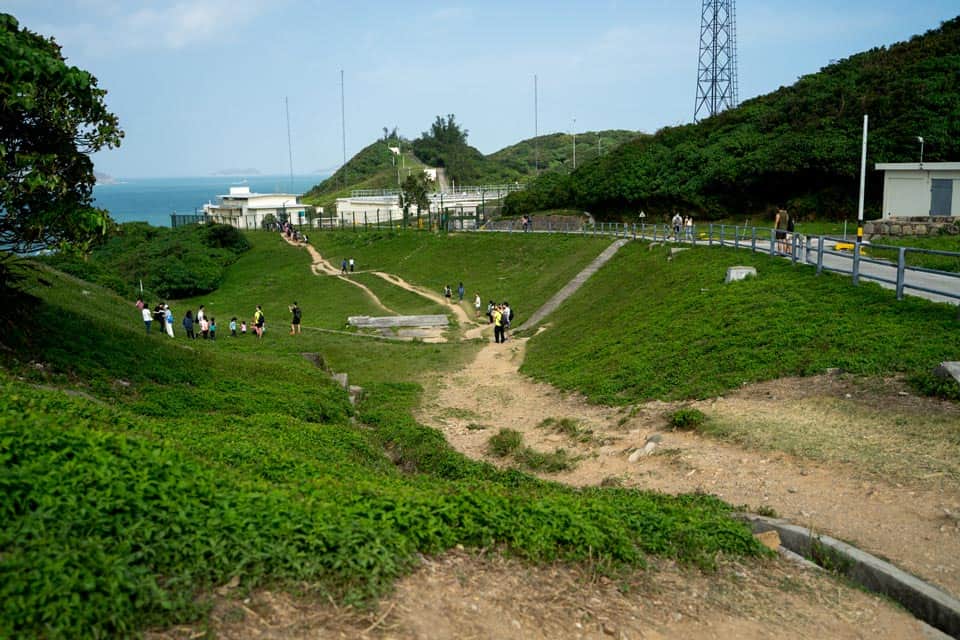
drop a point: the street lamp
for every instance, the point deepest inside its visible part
(920, 140)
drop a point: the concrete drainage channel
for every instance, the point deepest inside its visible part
(928, 603)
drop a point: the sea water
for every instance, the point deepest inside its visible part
(154, 199)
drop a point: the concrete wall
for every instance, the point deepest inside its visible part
(906, 194)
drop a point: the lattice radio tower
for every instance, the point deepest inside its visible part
(717, 73)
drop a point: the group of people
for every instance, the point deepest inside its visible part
(448, 292)
(292, 233)
(682, 226)
(501, 316)
(200, 325)
(526, 223)
(345, 263)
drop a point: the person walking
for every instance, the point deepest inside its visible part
(780, 222)
(188, 324)
(295, 319)
(448, 293)
(258, 321)
(460, 291)
(233, 327)
(352, 264)
(201, 315)
(677, 223)
(688, 226)
(147, 316)
(205, 329)
(169, 318)
(213, 328)
(497, 324)
(343, 267)
(477, 303)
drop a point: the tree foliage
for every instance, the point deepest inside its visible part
(52, 116)
(797, 147)
(171, 263)
(414, 191)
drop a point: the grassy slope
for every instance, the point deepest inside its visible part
(524, 270)
(186, 464)
(647, 328)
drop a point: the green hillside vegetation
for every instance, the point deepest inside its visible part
(373, 167)
(555, 151)
(445, 145)
(797, 147)
(686, 334)
(140, 472)
(170, 263)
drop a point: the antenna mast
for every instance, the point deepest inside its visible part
(536, 128)
(286, 101)
(717, 71)
(343, 128)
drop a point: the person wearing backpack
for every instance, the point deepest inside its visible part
(295, 320)
(258, 321)
(782, 223)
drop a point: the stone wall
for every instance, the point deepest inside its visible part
(924, 226)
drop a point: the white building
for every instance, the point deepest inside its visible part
(914, 189)
(243, 209)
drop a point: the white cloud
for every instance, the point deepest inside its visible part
(110, 26)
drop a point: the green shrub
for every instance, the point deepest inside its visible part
(687, 418)
(505, 442)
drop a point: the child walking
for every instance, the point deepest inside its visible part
(213, 328)
(233, 327)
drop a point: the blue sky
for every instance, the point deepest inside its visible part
(199, 85)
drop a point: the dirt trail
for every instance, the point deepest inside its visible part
(910, 525)
(469, 323)
(321, 267)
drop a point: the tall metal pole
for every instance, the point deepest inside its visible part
(536, 128)
(286, 101)
(574, 144)
(863, 177)
(343, 128)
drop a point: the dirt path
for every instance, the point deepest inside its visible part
(464, 595)
(911, 525)
(321, 267)
(472, 328)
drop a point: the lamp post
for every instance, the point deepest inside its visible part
(920, 140)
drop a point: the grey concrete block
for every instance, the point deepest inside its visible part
(740, 273)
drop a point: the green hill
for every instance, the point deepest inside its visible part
(375, 166)
(798, 146)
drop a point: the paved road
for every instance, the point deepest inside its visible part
(948, 286)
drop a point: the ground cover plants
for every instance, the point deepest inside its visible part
(140, 472)
(679, 332)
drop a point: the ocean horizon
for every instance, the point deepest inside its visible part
(153, 200)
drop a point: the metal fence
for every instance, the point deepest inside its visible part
(903, 269)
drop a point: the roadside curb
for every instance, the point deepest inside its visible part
(925, 601)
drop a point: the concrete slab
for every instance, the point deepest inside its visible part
(951, 369)
(381, 322)
(740, 273)
(928, 603)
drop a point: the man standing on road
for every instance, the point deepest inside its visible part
(780, 223)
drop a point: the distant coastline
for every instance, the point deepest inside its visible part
(104, 178)
(153, 199)
(232, 173)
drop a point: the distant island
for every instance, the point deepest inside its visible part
(236, 172)
(103, 178)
